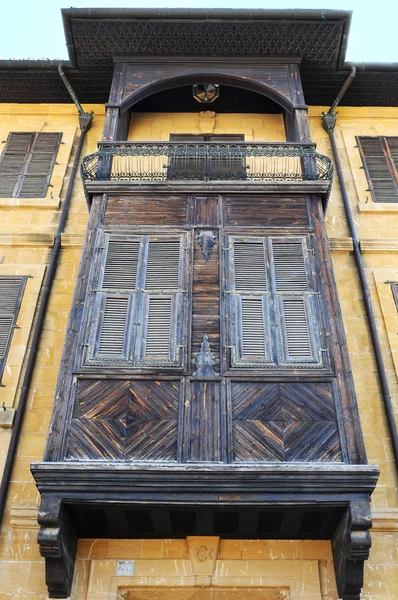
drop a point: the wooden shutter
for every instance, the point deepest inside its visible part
(115, 301)
(380, 161)
(26, 164)
(248, 303)
(295, 302)
(11, 291)
(164, 302)
(394, 288)
(12, 162)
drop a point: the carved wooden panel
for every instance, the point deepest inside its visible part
(204, 422)
(125, 420)
(206, 295)
(264, 211)
(284, 422)
(146, 210)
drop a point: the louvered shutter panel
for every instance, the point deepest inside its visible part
(12, 162)
(295, 303)
(39, 166)
(115, 302)
(26, 164)
(249, 300)
(392, 144)
(164, 303)
(394, 288)
(380, 163)
(11, 290)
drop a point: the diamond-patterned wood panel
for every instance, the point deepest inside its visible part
(124, 420)
(284, 422)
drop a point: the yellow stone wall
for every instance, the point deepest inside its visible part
(27, 227)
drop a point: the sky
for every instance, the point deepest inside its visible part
(33, 28)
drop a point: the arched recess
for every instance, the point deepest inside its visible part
(189, 79)
(279, 82)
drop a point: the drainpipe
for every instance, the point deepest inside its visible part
(329, 122)
(85, 121)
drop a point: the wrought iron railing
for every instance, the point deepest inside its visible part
(206, 161)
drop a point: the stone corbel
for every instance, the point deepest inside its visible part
(351, 544)
(57, 540)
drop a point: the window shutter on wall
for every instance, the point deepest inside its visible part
(27, 163)
(137, 303)
(380, 160)
(11, 291)
(274, 317)
(394, 288)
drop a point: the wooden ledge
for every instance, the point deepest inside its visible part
(269, 187)
(243, 483)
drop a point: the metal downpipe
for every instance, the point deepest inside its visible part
(85, 121)
(329, 121)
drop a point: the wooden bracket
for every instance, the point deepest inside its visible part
(206, 240)
(205, 360)
(58, 541)
(351, 544)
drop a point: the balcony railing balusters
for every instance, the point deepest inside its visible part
(206, 161)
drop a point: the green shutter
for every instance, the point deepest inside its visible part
(27, 163)
(11, 291)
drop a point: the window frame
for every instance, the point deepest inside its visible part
(135, 361)
(277, 365)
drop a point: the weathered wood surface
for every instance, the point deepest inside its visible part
(284, 422)
(146, 210)
(125, 420)
(270, 77)
(64, 399)
(350, 427)
(204, 422)
(206, 301)
(267, 211)
(98, 429)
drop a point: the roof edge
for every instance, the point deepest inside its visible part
(201, 13)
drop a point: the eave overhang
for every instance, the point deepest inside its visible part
(95, 36)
